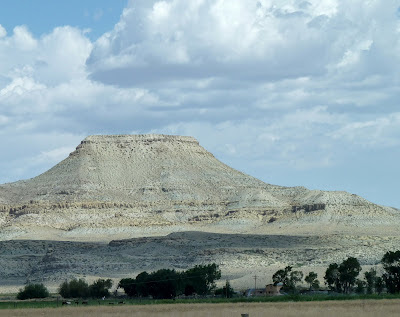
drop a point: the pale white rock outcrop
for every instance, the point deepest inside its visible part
(123, 186)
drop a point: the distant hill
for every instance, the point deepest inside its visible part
(123, 204)
(124, 186)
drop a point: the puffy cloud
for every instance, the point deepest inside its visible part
(62, 55)
(242, 40)
(54, 58)
(32, 70)
(23, 39)
(3, 31)
(293, 92)
(47, 104)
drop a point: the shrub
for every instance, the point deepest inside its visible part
(74, 289)
(33, 291)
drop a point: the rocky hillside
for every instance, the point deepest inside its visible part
(240, 256)
(124, 186)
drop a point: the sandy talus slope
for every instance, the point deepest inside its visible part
(126, 186)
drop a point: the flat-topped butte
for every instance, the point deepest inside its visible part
(123, 186)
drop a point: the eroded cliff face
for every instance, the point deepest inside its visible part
(125, 186)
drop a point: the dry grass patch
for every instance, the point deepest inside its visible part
(359, 308)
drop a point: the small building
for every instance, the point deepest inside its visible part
(269, 290)
(273, 290)
(253, 292)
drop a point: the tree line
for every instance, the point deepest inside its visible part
(200, 280)
(81, 289)
(161, 284)
(69, 289)
(167, 283)
(344, 277)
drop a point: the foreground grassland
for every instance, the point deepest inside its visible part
(350, 308)
(276, 299)
(54, 302)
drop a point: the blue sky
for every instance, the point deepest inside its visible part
(42, 16)
(292, 92)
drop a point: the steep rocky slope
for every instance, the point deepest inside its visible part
(125, 186)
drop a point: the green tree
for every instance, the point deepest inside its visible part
(379, 285)
(332, 278)
(349, 270)
(33, 291)
(295, 277)
(342, 278)
(391, 264)
(282, 276)
(100, 288)
(163, 283)
(201, 278)
(226, 291)
(129, 286)
(74, 289)
(189, 289)
(142, 280)
(311, 280)
(288, 278)
(166, 283)
(371, 279)
(360, 286)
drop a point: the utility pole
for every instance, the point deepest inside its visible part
(255, 281)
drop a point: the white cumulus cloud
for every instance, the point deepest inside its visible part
(294, 92)
(3, 31)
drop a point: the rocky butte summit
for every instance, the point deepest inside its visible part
(122, 204)
(124, 186)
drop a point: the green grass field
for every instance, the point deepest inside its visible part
(53, 303)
